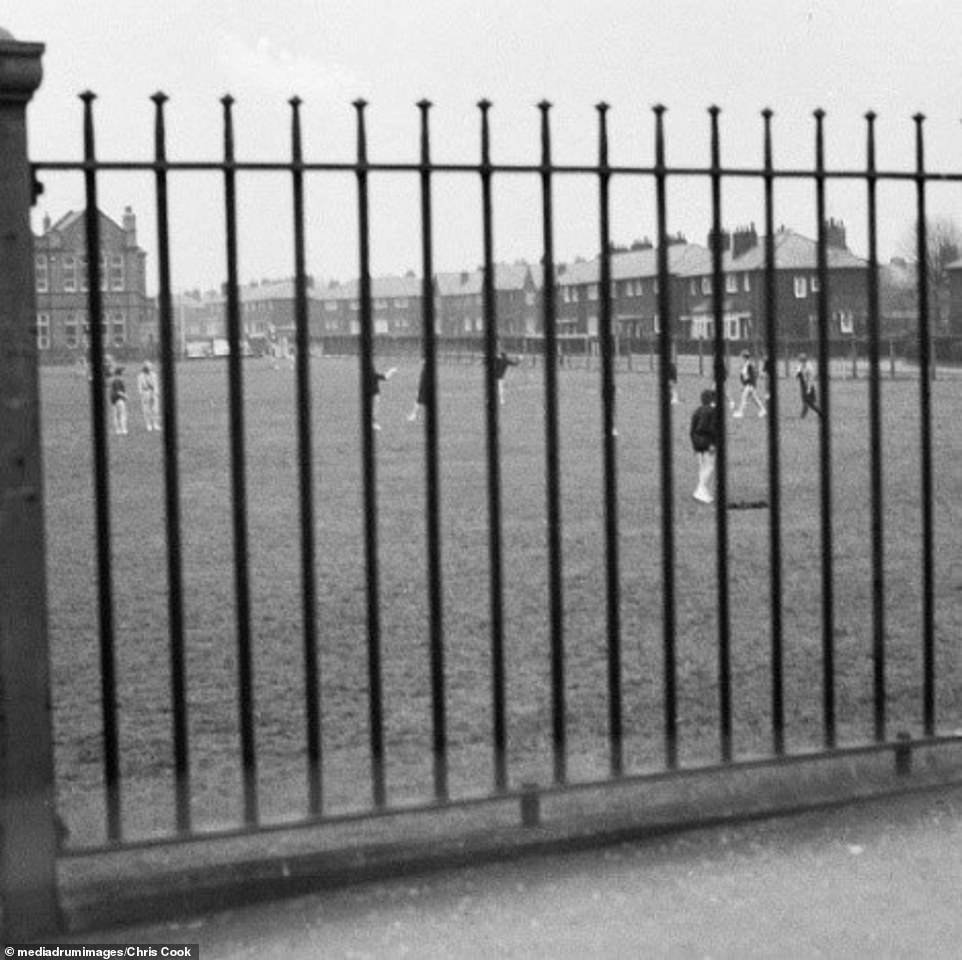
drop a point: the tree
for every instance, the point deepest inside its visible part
(943, 241)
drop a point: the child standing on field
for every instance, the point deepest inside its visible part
(149, 399)
(118, 399)
(421, 400)
(673, 382)
(374, 380)
(704, 438)
(805, 374)
(748, 374)
(501, 363)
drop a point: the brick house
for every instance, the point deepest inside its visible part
(129, 321)
(267, 312)
(796, 287)
(635, 291)
(460, 300)
(396, 305)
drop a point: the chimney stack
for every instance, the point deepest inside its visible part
(130, 227)
(744, 239)
(726, 240)
(835, 234)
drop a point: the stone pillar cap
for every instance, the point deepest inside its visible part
(20, 68)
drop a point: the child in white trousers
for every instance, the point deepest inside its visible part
(704, 438)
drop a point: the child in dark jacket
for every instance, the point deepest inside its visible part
(704, 438)
(118, 399)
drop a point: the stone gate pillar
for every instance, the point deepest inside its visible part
(28, 839)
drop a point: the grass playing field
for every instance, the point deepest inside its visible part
(136, 481)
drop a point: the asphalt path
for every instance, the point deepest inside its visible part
(882, 878)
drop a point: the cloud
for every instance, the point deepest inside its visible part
(267, 67)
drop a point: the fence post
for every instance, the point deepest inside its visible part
(28, 838)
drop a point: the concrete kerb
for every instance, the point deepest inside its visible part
(164, 883)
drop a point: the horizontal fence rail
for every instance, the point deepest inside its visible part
(560, 640)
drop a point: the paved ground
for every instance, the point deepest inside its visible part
(882, 879)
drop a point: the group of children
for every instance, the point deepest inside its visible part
(501, 363)
(147, 387)
(704, 424)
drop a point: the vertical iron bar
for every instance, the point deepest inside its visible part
(825, 442)
(774, 462)
(375, 704)
(305, 454)
(553, 478)
(239, 480)
(108, 683)
(875, 433)
(175, 589)
(615, 735)
(494, 467)
(433, 485)
(667, 480)
(721, 495)
(925, 431)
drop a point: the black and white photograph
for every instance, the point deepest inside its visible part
(481, 479)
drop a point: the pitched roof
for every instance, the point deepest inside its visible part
(390, 286)
(279, 290)
(683, 259)
(77, 218)
(507, 276)
(793, 252)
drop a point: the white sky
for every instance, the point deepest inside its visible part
(846, 56)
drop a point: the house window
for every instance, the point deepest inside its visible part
(529, 299)
(746, 282)
(71, 331)
(330, 306)
(43, 277)
(82, 270)
(566, 294)
(731, 283)
(813, 284)
(105, 331)
(733, 328)
(104, 278)
(401, 304)
(846, 321)
(693, 287)
(657, 323)
(654, 285)
(801, 289)
(43, 331)
(380, 304)
(706, 285)
(116, 273)
(592, 291)
(69, 273)
(118, 329)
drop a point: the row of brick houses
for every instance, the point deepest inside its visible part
(130, 315)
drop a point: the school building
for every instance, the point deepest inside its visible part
(61, 271)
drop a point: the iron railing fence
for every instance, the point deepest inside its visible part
(486, 170)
